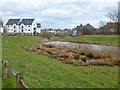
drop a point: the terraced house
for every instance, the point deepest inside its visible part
(23, 27)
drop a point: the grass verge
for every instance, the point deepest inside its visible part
(100, 39)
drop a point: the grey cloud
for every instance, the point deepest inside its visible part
(58, 15)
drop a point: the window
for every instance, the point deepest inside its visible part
(25, 29)
(29, 26)
(11, 29)
(22, 30)
(29, 29)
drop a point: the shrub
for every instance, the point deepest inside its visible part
(47, 35)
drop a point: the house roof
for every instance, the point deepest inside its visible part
(13, 21)
(38, 25)
(86, 26)
(89, 26)
(26, 21)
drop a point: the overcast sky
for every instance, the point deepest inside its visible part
(59, 13)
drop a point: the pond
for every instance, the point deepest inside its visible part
(84, 46)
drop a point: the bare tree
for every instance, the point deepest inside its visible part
(113, 15)
(101, 24)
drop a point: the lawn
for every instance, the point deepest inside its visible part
(41, 71)
(105, 39)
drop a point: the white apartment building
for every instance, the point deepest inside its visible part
(23, 27)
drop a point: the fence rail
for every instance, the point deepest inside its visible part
(19, 76)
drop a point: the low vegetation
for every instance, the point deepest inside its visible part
(77, 56)
(41, 71)
(96, 39)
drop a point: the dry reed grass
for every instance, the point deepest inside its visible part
(76, 56)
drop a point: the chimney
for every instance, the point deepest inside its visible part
(80, 27)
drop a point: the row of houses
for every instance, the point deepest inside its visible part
(58, 31)
(22, 27)
(30, 27)
(77, 30)
(110, 26)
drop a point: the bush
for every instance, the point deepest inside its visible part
(47, 35)
(87, 31)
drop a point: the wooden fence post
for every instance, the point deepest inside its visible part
(20, 76)
(5, 69)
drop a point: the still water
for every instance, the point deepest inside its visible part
(84, 46)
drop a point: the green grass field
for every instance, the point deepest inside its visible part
(105, 39)
(43, 72)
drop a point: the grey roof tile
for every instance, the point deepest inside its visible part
(13, 21)
(26, 21)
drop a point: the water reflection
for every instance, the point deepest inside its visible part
(84, 46)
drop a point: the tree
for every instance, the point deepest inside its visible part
(101, 24)
(47, 35)
(114, 16)
(87, 31)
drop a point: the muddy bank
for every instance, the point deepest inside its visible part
(76, 56)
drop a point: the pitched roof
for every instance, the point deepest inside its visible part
(89, 26)
(13, 21)
(38, 25)
(26, 21)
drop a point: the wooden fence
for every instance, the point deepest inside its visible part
(19, 76)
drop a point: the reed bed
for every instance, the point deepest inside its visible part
(77, 56)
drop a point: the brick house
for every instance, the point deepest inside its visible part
(110, 26)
